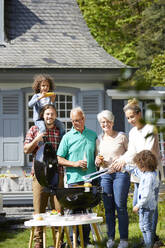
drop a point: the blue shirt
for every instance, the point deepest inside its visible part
(148, 187)
(76, 146)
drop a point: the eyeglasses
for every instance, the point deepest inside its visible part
(78, 120)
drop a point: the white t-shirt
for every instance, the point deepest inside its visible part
(139, 140)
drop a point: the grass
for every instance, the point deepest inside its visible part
(20, 238)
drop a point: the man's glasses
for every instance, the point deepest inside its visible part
(78, 120)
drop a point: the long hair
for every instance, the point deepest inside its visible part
(38, 79)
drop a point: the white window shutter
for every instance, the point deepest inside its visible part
(11, 132)
(92, 102)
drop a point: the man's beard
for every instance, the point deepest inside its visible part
(49, 123)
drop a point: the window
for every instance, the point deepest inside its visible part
(64, 104)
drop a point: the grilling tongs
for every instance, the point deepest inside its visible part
(95, 175)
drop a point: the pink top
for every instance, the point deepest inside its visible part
(111, 147)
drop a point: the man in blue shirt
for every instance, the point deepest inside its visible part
(77, 149)
(77, 153)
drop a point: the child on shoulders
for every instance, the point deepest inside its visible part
(43, 86)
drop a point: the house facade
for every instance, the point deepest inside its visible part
(52, 37)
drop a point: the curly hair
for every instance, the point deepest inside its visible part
(38, 79)
(132, 104)
(146, 160)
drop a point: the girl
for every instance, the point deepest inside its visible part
(41, 86)
(147, 192)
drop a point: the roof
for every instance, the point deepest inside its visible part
(50, 34)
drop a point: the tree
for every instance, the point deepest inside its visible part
(133, 32)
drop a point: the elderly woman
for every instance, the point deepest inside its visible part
(111, 145)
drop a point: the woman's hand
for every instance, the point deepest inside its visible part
(118, 165)
(99, 161)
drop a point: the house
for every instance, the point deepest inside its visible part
(51, 37)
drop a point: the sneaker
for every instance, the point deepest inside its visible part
(110, 243)
(123, 244)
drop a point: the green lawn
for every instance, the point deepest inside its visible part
(20, 238)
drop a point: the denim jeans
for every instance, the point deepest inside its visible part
(155, 215)
(145, 222)
(115, 194)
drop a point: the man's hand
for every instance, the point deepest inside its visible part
(39, 137)
(81, 163)
(135, 209)
(30, 147)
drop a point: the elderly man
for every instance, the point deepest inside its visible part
(31, 145)
(77, 153)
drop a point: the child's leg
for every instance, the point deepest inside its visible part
(60, 126)
(145, 222)
(41, 125)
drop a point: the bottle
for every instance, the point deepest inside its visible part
(85, 159)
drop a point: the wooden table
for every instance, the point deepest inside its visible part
(63, 223)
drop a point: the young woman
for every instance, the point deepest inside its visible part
(141, 137)
(110, 145)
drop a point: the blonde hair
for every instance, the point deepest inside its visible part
(107, 115)
(132, 104)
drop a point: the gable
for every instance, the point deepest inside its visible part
(50, 34)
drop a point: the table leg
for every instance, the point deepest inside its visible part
(58, 236)
(81, 236)
(96, 231)
(31, 237)
(54, 235)
(74, 236)
(67, 236)
(44, 236)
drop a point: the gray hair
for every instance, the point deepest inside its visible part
(105, 114)
(77, 110)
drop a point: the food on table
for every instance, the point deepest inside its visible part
(55, 212)
(39, 218)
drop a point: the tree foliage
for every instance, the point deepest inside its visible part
(133, 31)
